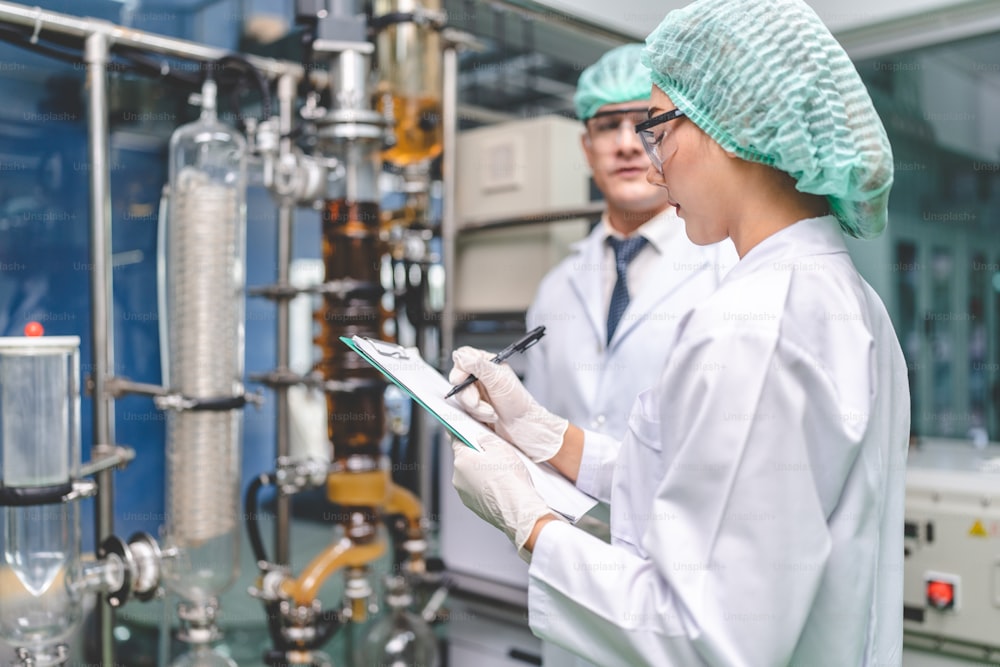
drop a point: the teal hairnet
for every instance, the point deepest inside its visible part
(768, 82)
(618, 76)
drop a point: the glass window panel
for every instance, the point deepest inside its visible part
(937, 104)
(939, 323)
(908, 328)
(993, 369)
(978, 349)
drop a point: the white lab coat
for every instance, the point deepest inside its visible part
(572, 371)
(757, 499)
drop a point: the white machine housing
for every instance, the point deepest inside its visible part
(531, 167)
(951, 592)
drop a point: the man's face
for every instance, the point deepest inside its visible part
(617, 158)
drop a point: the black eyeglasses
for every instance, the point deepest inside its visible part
(651, 138)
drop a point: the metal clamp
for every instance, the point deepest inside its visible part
(118, 458)
(199, 622)
(140, 559)
(38, 26)
(59, 656)
(28, 496)
(432, 18)
(280, 378)
(82, 488)
(214, 404)
(292, 476)
(273, 576)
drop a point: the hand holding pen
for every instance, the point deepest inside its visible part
(521, 345)
(503, 404)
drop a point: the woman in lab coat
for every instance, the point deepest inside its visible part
(757, 498)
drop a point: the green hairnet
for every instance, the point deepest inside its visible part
(768, 82)
(618, 76)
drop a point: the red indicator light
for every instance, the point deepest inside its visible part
(940, 594)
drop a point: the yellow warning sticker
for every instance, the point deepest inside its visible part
(978, 530)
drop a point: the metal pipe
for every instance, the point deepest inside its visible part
(119, 457)
(928, 28)
(479, 114)
(592, 210)
(120, 386)
(41, 19)
(286, 212)
(538, 12)
(449, 223)
(101, 323)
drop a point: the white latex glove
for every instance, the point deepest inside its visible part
(508, 406)
(495, 485)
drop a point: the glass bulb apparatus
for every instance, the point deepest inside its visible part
(401, 638)
(40, 599)
(203, 263)
(408, 57)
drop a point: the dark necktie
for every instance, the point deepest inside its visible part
(625, 252)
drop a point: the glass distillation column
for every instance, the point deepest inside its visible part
(351, 134)
(352, 251)
(203, 327)
(40, 599)
(409, 93)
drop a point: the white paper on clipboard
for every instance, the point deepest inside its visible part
(427, 387)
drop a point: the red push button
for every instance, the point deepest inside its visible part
(941, 594)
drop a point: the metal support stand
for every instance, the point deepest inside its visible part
(449, 221)
(286, 218)
(101, 323)
(58, 656)
(199, 630)
(99, 38)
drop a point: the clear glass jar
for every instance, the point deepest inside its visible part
(39, 459)
(401, 638)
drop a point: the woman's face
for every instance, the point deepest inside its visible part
(693, 174)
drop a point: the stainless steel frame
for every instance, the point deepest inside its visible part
(286, 217)
(99, 37)
(43, 20)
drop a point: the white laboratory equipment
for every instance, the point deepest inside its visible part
(518, 180)
(951, 570)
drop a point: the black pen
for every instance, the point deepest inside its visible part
(521, 345)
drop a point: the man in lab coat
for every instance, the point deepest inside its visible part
(591, 365)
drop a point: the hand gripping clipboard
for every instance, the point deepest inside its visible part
(405, 368)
